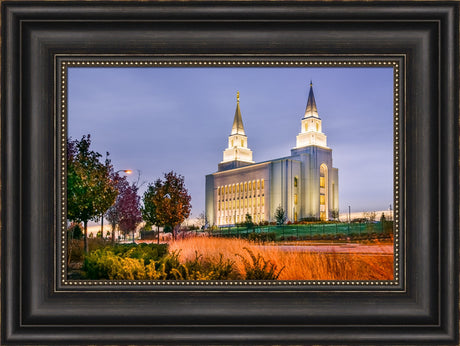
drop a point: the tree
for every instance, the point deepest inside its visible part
(248, 221)
(90, 191)
(202, 221)
(369, 216)
(280, 215)
(170, 202)
(113, 214)
(335, 214)
(107, 198)
(151, 201)
(129, 210)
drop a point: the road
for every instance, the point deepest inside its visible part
(338, 248)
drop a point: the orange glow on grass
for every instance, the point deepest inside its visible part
(297, 265)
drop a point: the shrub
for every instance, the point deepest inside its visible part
(259, 269)
(262, 237)
(122, 261)
(74, 251)
(147, 252)
(75, 232)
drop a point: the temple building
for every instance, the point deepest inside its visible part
(305, 184)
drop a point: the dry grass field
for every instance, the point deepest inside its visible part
(297, 265)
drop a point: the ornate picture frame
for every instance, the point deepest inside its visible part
(39, 306)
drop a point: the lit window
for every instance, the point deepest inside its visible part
(262, 201)
(317, 127)
(258, 184)
(232, 142)
(306, 127)
(234, 189)
(245, 186)
(253, 184)
(295, 199)
(226, 189)
(242, 143)
(322, 199)
(322, 182)
(237, 187)
(250, 186)
(262, 184)
(295, 181)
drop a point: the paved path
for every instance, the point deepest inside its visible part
(338, 248)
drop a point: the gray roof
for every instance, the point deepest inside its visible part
(238, 128)
(311, 110)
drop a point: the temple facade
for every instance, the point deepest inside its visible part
(305, 184)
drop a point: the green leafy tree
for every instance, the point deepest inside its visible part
(151, 201)
(280, 216)
(90, 191)
(168, 203)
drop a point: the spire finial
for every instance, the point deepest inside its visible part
(311, 83)
(238, 97)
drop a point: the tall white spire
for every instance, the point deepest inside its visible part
(311, 131)
(237, 149)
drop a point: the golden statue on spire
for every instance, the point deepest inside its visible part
(238, 96)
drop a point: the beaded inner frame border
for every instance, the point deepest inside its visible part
(62, 63)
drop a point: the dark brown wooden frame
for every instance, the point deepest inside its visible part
(37, 310)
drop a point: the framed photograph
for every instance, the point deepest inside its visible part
(230, 173)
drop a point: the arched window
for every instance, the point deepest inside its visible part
(295, 181)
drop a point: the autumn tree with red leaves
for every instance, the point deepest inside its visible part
(167, 202)
(129, 210)
(126, 210)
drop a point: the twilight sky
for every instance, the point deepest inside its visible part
(159, 119)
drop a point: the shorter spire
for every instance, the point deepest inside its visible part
(311, 110)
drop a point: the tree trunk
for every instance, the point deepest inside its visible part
(102, 225)
(158, 229)
(85, 225)
(113, 233)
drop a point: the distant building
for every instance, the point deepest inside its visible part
(304, 184)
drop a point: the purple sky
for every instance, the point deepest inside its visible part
(159, 119)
